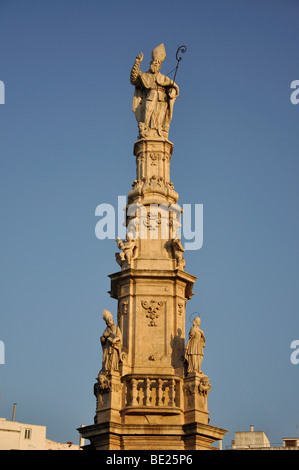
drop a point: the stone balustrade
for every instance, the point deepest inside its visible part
(151, 391)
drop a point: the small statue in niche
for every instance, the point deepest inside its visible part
(178, 251)
(194, 348)
(154, 95)
(111, 341)
(128, 246)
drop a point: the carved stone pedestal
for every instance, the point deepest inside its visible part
(196, 389)
(108, 393)
(161, 436)
(152, 411)
(151, 316)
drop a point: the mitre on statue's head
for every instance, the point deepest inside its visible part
(106, 315)
(159, 53)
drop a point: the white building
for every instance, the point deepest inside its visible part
(257, 440)
(250, 440)
(20, 436)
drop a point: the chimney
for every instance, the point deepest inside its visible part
(14, 412)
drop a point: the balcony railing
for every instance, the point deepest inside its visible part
(153, 393)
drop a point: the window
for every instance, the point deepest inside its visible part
(290, 442)
(27, 434)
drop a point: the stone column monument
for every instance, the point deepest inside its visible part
(151, 392)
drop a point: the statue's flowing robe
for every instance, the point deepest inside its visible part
(151, 103)
(194, 349)
(111, 351)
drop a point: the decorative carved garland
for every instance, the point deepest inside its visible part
(152, 308)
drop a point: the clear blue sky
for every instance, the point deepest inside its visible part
(67, 134)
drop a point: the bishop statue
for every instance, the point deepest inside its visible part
(154, 96)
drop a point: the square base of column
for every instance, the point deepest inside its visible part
(115, 436)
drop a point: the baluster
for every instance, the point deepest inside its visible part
(147, 392)
(134, 392)
(177, 394)
(171, 392)
(159, 392)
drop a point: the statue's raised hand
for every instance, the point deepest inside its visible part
(139, 58)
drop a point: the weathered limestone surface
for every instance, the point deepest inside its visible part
(151, 392)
